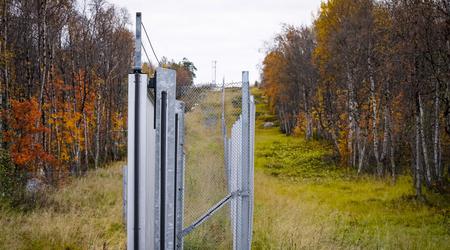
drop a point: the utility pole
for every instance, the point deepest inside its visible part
(214, 72)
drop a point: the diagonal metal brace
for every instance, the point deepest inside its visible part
(209, 213)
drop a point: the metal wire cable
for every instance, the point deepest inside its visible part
(145, 51)
(151, 46)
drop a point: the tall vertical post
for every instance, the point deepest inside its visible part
(245, 233)
(138, 44)
(141, 155)
(252, 165)
(165, 161)
(179, 174)
(214, 67)
(137, 71)
(141, 164)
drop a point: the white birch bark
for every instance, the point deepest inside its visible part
(361, 150)
(86, 141)
(374, 121)
(351, 119)
(97, 134)
(391, 144)
(436, 143)
(424, 142)
(417, 158)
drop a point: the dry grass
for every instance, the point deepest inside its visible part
(205, 173)
(284, 222)
(302, 201)
(85, 214)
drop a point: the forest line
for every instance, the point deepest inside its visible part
(63, 97)
(63, 89)
(373, 78)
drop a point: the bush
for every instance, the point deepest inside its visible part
(12, 181)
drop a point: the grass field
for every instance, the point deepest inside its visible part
(85, 214)
(302, 201)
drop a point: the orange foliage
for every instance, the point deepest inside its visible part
(274, 64)
(25, 130)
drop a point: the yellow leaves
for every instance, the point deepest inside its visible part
(65, 157)
(119, 121)
(72, 108)
(273, 67)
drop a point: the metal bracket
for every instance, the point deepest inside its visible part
(243, 193)
(152, 85)
(152, 82)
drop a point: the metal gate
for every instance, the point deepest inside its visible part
(189, 180)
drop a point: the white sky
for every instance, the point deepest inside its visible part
(230, 31)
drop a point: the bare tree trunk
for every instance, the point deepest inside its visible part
(384, 147)
(436, 144)
(78, 155)
(4, 89)
(97, 135)
(309, 129)
(107, 134)
(374, 121)
(391, 148)
(351, 119)
(86, 142)
(42, 59)
(361, 149)
(335, 138)
(417, 164)
(424, 143)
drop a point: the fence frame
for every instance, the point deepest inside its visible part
(154, 176)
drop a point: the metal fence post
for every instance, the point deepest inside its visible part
(164, 189)
(141, 155)
(235, 173)
(138, 43)
(251, 166)
(245, 209)
(179, 174)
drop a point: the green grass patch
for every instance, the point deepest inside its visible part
(304, 201)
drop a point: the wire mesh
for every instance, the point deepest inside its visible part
(215, 233)
(235, 163)
(211, 111)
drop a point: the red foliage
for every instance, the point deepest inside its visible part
(24, 133)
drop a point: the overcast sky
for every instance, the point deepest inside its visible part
(231, 32)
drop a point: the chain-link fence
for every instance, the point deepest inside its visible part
(211, 111)
(194, 146)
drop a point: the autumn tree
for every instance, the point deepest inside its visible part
(64, 67)
(372, 78)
